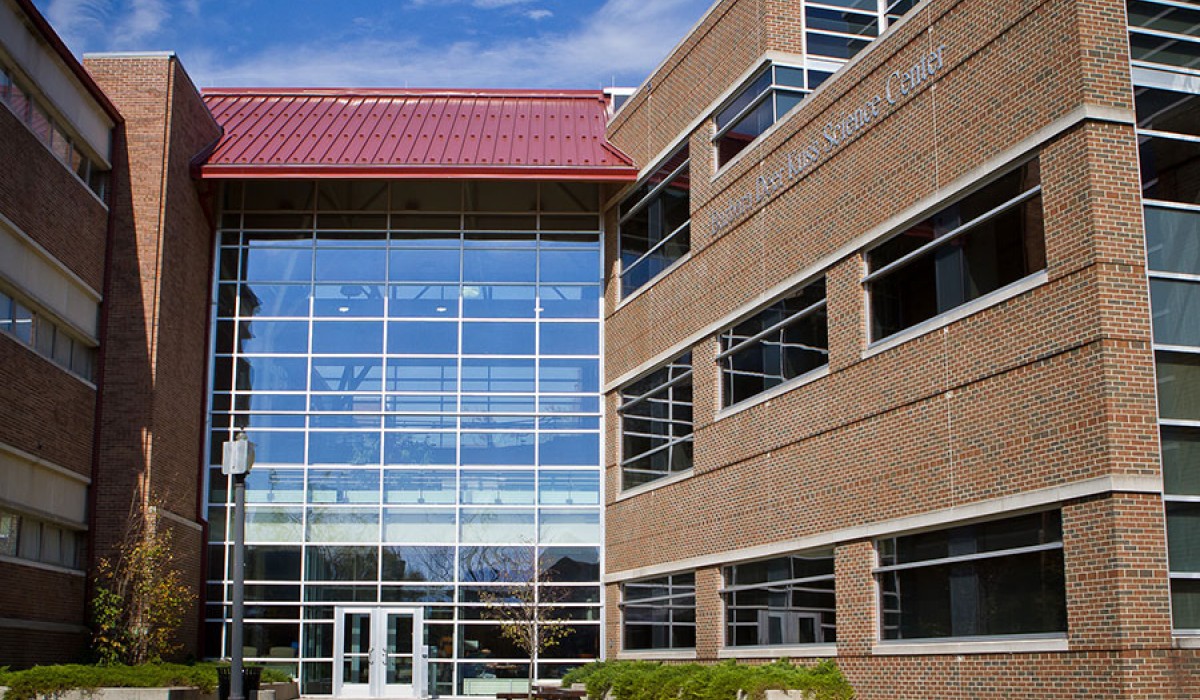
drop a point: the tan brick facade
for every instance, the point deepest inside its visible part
(1045, 399)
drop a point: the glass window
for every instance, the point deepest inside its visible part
(1173, 240)
(1178, 378)
(497, 487)
(655, 222)
(422, 338)
(783, 341)
(499, 301)
(569, 376)
(343, 524)
(998, 578)
(570, 339)
(265, 524)
(494, 526)
(975, 246)
(762, 101)
(346, 374)
(1181, 460)
(434, 564)
(498, 339)
(575, 301)
(486, 375)
(556, 487)
(659, 613)
(568, 526)
(497, 448)
(656, 424)
(419, 487)
(419, 448)
(276, 264)
(784, 601)
(569, 449)
(423, 300)
(1176, 311)
(419, 525)
(424, 265)
(341, 564)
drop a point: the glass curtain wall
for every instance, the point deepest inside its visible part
(417, 364)
(1164, 42)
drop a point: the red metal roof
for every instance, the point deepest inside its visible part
(413, 133)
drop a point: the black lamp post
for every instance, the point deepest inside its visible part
(236, 460)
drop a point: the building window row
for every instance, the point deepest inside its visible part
(17, 96)
(980, 243)
(31, 539)
(655, 222)
(786, 340)
(659, 613)
(997, 578)
(45, 337)
(656, 424)
(773, 91)
(1003, 577)
(781, 602)
(1164, 33)
(1169, 144)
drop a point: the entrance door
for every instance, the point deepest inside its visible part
(377, 653)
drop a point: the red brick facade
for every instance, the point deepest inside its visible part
(1052, 388)
(151, 425)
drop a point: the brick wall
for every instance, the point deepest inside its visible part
(152, 401)
(1052, 387)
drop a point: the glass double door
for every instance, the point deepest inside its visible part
(378, 653)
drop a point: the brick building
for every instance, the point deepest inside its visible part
(899, 311)
(882, 369)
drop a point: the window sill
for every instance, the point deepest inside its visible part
(1191, 641)
(1005, 645)
(39, 565)
(658, 655)
(652, 281)
(654, 485)
(773, 392)
(779, 652)
(940, 321)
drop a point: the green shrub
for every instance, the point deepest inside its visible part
(47, 681)
(647, 680)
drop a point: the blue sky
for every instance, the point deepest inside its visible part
(393, 43)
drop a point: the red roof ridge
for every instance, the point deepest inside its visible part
(400, 92)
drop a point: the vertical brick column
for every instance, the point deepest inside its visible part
(857, 598)
(844, 307)
(1115, 556)
(710, 618)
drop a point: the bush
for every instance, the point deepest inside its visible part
(43, 681)
(647, 680)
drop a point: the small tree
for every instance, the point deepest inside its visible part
(527, 612)
(140, 598)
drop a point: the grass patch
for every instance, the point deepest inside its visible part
(649, 680)
(47, 681)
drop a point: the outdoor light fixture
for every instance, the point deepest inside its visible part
(237, 458)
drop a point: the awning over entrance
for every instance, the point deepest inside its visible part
(501, 134)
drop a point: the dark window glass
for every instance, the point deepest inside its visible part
(997, 239)
(1167, 110)
(988, 587)
(1185, 603)
(834, 46)
(1173, 240)
(1181, 460)
(844, 22)
(1183, 537)
(656, 424)
(653, 229)
(418, 564)
(659, 613)
(1178, 385)
(272, 563)
(783, 341)
(1170, 169)
(789, 600)
(1171, 51)
(341, 564)
(1176, 311)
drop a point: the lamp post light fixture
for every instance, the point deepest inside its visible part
(237, 458)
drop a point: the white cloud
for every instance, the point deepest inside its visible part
(537, 15)
(141, 19)
(78, 21)
(624, 37)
